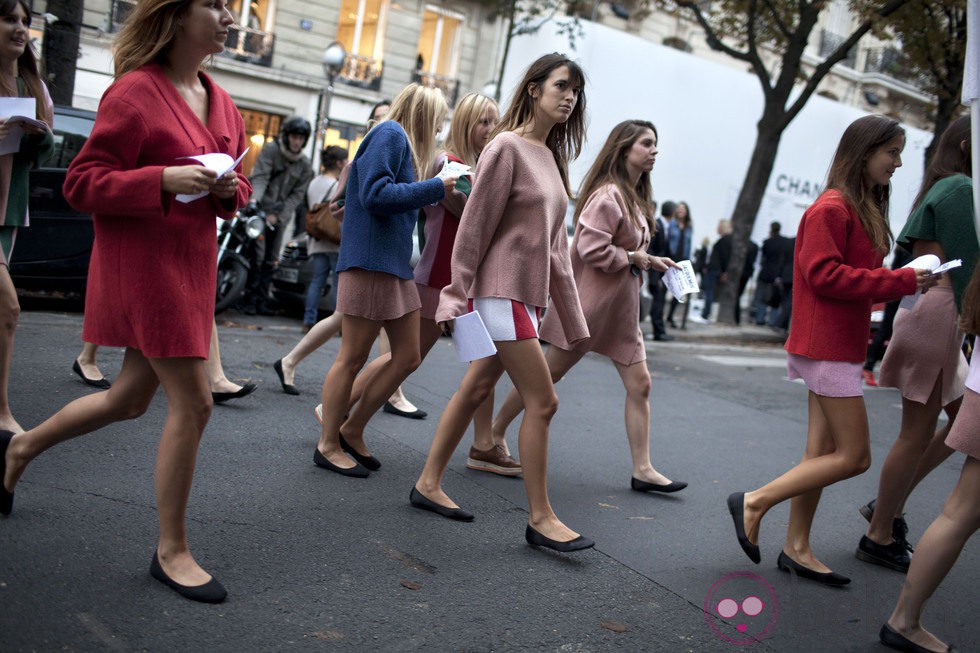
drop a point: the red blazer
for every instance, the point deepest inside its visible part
(837, 276)
(151, 282)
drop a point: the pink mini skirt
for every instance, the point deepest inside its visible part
(964, 435)
(507, 319)
(826, 378)
(376, 296)
(429, 297)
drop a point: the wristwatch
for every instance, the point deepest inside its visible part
(629, 257)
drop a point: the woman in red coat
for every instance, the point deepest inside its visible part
(840, 244)
(152, 276)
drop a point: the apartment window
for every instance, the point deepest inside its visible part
(361, 30)
(438, 52)
(251, 37)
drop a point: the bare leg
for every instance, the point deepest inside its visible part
(9, 316)
(842, 420)
(215, 372)
(397, 398)
(355, 347)
(404, 359)
(315, 338)
(636, 380)
(429, 333)
(86, 360)
(935, 454)
(483, 437)
(918, 425)
(935, 555)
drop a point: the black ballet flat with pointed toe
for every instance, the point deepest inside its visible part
(368, 461)
(785, 563)
(6, 498)
(896, 640)
(534, 538)
(736, 506)
(357, 471)
(101, 384)
(210, 592)
(288, 388)
(244, 391)
(643, 486)
(418, 500)
(391, 409)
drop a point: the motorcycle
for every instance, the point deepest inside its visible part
(236, 253)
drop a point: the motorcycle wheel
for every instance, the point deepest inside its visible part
(232, 275)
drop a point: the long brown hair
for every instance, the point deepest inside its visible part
(420, 110)
(949, 158)
(27, 67)
(468, 112)
(610, 168)
(147, 34)
(565, 139)
(860, 140)
(970, 313)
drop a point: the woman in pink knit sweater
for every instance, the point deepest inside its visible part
(608, 251)
(511, 251)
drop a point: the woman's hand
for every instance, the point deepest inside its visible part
(447, 327)
(226, 187)
(661, 263)
(925, 279)
(449, 183)
(188, 180)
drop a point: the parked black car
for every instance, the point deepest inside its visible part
(53, 253)
(293, 276)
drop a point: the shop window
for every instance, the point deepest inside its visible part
(361, 29)
(438, 51)
(260, 128)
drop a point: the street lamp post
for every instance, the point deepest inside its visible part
(333, 60)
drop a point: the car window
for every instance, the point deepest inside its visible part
(70, 133)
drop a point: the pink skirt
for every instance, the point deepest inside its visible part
(826, 378)
(964, 435)
(926, 345)
(429, 297)
(376, 296)
(506, 319)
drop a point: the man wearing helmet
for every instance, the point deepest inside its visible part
(279, 181)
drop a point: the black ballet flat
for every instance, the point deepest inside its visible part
(896, 640)
(642, 486)
(736, 506)
(244, 391)
(368, 461)
(419, 501)
(288, 388)
(357, 471)
(210, 592)
(534, 538)
(6, 498)
(392, 410)
(101, 384)
(785, 563)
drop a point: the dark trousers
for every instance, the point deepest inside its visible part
(659, 293)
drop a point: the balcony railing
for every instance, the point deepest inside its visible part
(888, 61)
(830, 41)
(248, 44)
(119, 11)
(361, 71)
(448, 85)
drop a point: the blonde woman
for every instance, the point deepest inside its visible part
(375, 286)
(153, 271)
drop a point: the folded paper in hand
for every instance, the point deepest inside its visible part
(217, 161)
(471, 340)
(680, 281)
(454, 169)
(927, 262)
(16, 111)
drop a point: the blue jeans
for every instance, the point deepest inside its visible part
(710, 280)
(323, 263)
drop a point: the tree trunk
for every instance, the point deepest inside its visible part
(60, 56)
(747, 206)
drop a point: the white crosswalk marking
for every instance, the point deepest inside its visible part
(746, 361)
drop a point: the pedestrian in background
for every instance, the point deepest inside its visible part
(659, 248)
(770, 260)
(154, 260)
(19, 77)
(925, 355)
(607, 253)
(716, 269)
(748, 269)
(324, 253)
(510, 254)
(375, 287)
(679, 246)
(840, 245)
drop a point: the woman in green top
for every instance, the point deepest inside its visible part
(18, 78)
(924, 358)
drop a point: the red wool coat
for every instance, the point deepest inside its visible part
(151, 282)
(837, 276)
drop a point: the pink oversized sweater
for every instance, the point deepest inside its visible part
(511, 241)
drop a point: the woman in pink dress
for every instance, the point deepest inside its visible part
(608, 251)
(153, 271)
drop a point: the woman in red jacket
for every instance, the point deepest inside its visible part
(152, 276)
(840, 245)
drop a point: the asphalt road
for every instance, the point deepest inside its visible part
(313, 560)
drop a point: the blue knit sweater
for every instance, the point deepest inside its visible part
(382, 204)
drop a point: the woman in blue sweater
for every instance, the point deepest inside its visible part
(375, 287)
